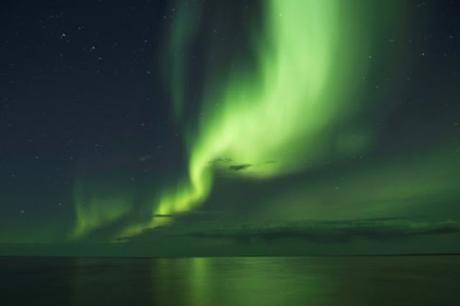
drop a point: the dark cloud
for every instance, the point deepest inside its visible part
(336, 231)
(239, 167)
(226, 162)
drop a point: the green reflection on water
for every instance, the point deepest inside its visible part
(231, 281)
(353, 281)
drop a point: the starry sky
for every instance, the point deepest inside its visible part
(229, 127)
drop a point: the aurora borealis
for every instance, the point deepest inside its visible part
(278, 125)
(269, 122)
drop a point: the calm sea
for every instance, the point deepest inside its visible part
(310, 281)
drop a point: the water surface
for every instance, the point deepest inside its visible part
(354, 281)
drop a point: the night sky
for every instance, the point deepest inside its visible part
(229, 127)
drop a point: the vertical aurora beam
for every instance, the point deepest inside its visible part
(184, 30)
(274, 119)
(98, 203)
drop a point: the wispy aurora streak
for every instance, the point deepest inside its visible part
(275, 118)
(98, 204)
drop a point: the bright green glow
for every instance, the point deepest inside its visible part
(276, 117)
(273, 119)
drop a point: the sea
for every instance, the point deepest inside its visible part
(221, 281)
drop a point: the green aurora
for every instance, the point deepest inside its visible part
(230, 128)
(273, 120)
(292, 117)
